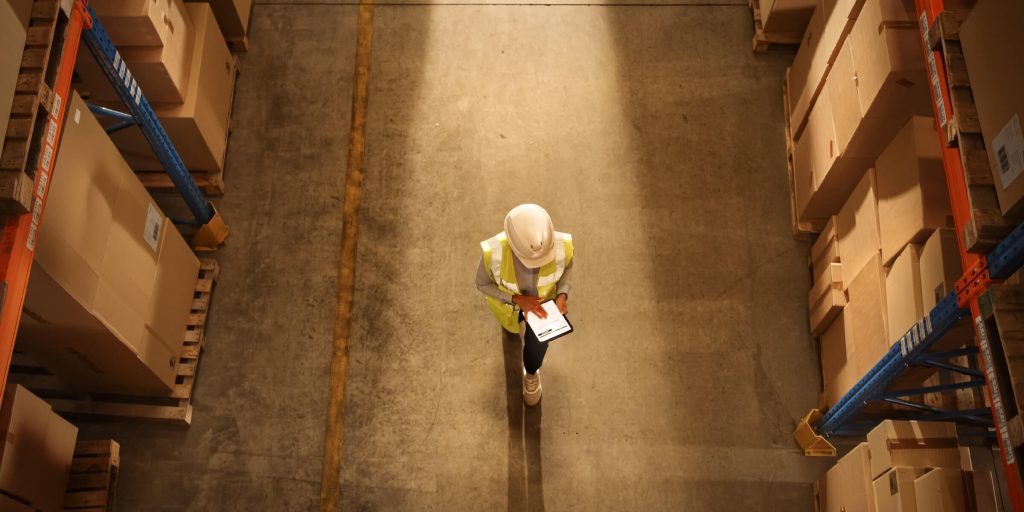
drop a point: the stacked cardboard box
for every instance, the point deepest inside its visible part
(910, 466)
(991, 39)
(870, 84)
(233, 18)
(113, 280)
(35, 457)
(868, 281)
(195, 107)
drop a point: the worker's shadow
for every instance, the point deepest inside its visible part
(525, 471)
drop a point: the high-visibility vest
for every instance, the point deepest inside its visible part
(498, 260)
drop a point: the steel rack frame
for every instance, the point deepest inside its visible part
(18, 239)
(846, 417)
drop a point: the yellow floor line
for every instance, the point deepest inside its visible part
(330, 474)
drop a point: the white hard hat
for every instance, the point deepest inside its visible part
(531, 235)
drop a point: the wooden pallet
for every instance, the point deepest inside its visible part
(33, 100)
(175, 407)
(93, 480)
(763, 41)
(987, 225)
(801, 230)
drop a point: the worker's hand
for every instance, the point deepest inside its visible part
(529, 304)
(562, 301)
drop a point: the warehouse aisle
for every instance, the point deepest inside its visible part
(652, 134)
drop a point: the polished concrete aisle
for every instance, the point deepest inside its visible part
(651, 133)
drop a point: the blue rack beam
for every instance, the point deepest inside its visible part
(913, 349)
(141, 113)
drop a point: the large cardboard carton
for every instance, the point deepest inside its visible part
(141, 22)
(198, 127)
(857, 338)
(35, 458)
(828, 28)
(847, 486)
(825, 249)
(992, 39)
(13, 28)
(919, 444)
(233, 15)
(903, 292)
(912, 196)
(112, 284)
(954, 490)
(869, 103)
(857, 228)
(162, 69)
(894, 490)
(886, 48)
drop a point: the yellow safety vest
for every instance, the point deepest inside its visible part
(498, 259)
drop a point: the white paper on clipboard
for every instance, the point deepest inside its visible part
(553, 326)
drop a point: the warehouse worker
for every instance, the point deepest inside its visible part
(521, 267)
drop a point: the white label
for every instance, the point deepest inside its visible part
(154, 223)
(78, 115)
(1008, 152)
(47, 156)
(51, 134)
(56, 105)
(924, 28)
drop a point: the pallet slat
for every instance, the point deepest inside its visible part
(93, 479)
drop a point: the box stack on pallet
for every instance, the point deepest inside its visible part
(912, 466)
(178, 54)
(867, 176)
(113, 318)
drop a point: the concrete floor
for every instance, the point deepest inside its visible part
(651, 133)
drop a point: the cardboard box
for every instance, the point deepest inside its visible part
(991, 39)
(13, 28)
(891, 79)
(142, 22)
(233, 15)
(985, 459)
(814, 59)
(903, 292)
(858, 338)
(912, 196)
(857, 228)
(862, 104)
(946, 490)
(940, 267)
(35, 460)
(198, 127)
(112, 284)
(894, 490)
(920, 444)
(847, 486)
(827, 298)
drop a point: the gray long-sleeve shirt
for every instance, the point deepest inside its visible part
(526, 279)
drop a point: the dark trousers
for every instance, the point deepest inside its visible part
(533, 349)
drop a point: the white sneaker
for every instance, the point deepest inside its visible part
(531, 388)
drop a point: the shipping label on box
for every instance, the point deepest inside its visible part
(1008, 152)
